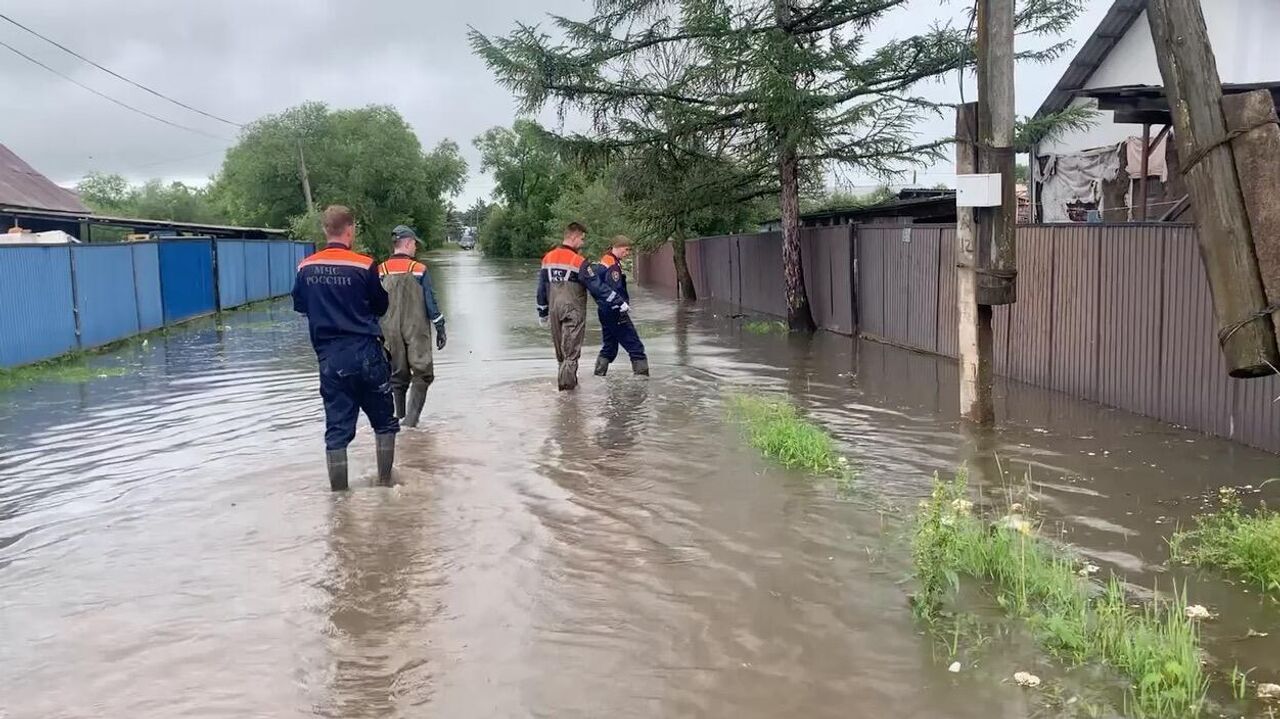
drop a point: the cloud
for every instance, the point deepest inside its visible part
(241, 59)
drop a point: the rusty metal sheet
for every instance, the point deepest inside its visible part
(922, 298)
(948, 310)
(1075, 314)
(1131, 312)
(1256, 412)
(1196, 391)
(1031, 318)
(897, 287)
(839, 246)
(870, 282)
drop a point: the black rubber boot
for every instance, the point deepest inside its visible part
(386, 451)
(336, 459)
(640, 367)
(398, 397)
(602, 366)
(417, 398)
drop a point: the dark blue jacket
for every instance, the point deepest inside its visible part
(609, 268)
(340, 293)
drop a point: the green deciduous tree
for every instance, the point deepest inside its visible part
(109, 194)
(794, 86)
(529, 175)
(367, 158)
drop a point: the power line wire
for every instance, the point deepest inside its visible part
(104, 96)
(115, 74)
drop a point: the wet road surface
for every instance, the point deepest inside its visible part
(169, 546)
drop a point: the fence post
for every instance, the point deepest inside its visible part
(75, 293)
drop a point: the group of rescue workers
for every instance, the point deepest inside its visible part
(372, 324)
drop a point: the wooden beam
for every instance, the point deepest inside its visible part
(997, 246)
(1146, 169)
(1191, 80)
(1257, 153)
(1142, 117)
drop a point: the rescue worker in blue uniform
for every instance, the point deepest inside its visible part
(342, 296)
(617, 327)
(406, 327)
(563, 283)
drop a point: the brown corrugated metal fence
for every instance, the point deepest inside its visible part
(1116, 314)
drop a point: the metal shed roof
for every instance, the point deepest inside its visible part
(1117, 22)
(22, 186)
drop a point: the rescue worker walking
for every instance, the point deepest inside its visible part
(617, 327)
(563, 283)
(340, 293)
(406, 328)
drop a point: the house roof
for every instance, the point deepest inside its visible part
(22, 186)
(1093, 52)
(138, 223)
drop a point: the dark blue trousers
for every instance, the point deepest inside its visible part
(618, 329)
(355, 375)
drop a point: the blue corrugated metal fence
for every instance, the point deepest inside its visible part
(231, 278)
(102, 275)
(37, 308)
(59, 298)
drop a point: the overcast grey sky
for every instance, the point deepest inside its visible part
(241, 59)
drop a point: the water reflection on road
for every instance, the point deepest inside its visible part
(169, 546)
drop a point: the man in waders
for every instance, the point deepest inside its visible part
(563, 283)
(406, 327)
(340, 293)
(617, 327)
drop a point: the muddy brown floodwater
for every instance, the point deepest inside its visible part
(169, 546)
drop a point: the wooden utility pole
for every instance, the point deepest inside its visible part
(306, 181)
(997, 226)
(976, 372)
(1252, 115)
(1194, 91)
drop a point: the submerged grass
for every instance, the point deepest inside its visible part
(69, 368)
(762, 327)
(776, 429)
(1156, 646)
(1248, 545)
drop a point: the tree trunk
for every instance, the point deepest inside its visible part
(798, 315)
(684, 281)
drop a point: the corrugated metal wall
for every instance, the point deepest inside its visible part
(283, 267)
(232, 284)
(146, 286)
(1116, 314)
(257, 271)
(54, 299)
(746, 271)
(186, 279)
(37, 310)
(106, 312)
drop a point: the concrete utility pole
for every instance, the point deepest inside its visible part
(986, 253)
(976, 372)
(306, 180)
(1194, 91)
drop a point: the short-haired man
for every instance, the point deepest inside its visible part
(340, 293)
(406, 328)
(617, 327)
(563, 283)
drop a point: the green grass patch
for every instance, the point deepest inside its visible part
(776, 429)
(1154, 645)
(70, 368)
(762, 327)
(1230, 539)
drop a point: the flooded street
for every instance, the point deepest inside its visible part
(169, 546)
